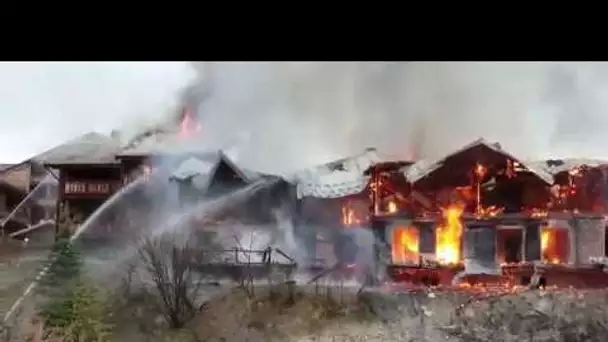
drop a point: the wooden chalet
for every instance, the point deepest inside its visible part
(88, 173)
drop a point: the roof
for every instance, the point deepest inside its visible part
(194, 166)
(90, 148)
(200, 168)
(555, 166)
(161, 142)
(339, 178)
(423, 168)
(5, 166)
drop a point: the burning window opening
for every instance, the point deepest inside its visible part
(405, 245)
(554, 245)
(449, 235)
(510, 245)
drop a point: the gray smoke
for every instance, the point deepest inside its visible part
(284, 116)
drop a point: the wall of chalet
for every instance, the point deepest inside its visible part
(85, 188)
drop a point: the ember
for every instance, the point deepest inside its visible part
(449, 235)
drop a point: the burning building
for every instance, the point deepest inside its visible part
(93, 167)
(479, 210)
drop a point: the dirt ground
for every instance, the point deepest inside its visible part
(16, 273)
(337, 315)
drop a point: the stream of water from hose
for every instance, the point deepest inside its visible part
(204, 208)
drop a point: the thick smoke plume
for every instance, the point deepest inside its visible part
(280, 117)
(285, 116)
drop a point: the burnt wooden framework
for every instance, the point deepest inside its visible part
(502, 187)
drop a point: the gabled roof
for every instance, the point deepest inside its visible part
(201, 168)
(423, 168)
(90, 148)
(194, 166)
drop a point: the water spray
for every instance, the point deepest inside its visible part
(74, 236)
(205, 207)
(34, 191)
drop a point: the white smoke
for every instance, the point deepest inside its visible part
(285, 116)
(46, 104)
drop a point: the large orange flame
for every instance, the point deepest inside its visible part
(449, 234)
(550, 245)
(405, 245)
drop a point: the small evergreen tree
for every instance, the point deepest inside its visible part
(65, 263)
(72, 305)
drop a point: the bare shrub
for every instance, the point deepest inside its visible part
(171, 260)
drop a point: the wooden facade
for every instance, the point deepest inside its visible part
(84, 188)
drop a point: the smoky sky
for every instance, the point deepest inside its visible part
(45, 104)
(284, 116)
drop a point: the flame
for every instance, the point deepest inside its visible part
(189, 125)
(549, 247)
(392, 207)
(480, 170)
(511, 170)
(491, 211)
(349, 215)
(449, 235)
(405, 245)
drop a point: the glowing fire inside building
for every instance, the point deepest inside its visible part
(478, 211)
(449, 234)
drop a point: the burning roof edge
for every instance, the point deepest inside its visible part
(423, 168)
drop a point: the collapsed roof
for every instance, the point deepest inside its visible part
(340, 178)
